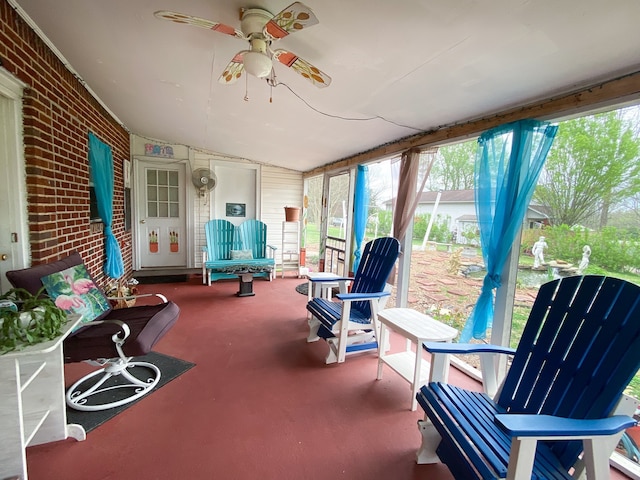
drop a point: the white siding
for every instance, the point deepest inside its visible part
(201, 210)
(280, 188)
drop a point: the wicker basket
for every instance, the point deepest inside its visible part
(123, 298)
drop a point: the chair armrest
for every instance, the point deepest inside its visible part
(131, 297)
(125, 330)
(466, 348)
(331, 279)
(350, 297)
(549, 426)
(487, 353)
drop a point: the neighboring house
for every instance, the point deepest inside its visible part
(457, 208)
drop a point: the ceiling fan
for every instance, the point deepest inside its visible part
(261, 29)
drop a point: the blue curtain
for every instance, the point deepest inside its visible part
(101, 163)
(508, 163)
(360, 213)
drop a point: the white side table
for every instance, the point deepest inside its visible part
(321, 283)
(417, 328)
(32, 403)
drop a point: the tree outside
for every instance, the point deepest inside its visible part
(593, 168)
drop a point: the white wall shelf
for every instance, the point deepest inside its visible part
(32, 402)
(290, 259)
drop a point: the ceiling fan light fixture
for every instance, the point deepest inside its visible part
(257, 64)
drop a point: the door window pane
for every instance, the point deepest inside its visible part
(163, 194)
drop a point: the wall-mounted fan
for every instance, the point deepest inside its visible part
(261, 29)
(204, 180)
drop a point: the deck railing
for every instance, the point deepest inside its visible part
(334, 255)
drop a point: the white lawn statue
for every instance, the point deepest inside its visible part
(538, 252)
(584, 263)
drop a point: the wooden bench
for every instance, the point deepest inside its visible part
(232, 249)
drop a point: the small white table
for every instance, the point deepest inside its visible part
(32, 407)
(417, 328)
(321, 284)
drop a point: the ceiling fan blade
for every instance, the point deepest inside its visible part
(199, 22)
(304, 68)
(290, 20)
(233, 71)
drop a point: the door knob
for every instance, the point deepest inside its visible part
(143, 221)
(4, 256)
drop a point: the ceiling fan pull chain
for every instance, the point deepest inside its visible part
(246, 88)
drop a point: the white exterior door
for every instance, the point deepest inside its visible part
(161, 239)
(14, 237)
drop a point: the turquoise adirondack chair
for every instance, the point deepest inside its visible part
(579, 350)
(224, 239)
(253, 236)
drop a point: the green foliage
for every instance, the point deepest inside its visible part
(612, 249)
(454, 167)
(592, 165)
(40, 321)
(385, 223)
(439, 230)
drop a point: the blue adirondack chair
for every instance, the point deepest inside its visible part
(351, 324)
(579, 350)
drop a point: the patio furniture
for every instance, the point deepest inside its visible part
(231, 249)
(351, 325)
(579, 350)
(108, 339)
(417, 328)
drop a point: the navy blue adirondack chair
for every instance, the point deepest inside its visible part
(579, 350)
(351, 324)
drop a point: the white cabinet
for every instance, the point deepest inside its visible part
(290, 260)
(32, 402)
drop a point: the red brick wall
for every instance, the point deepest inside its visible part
(58, 114)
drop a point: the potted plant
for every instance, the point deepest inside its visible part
(27, 319)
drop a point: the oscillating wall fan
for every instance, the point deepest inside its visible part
(204, 180)
(261, 29)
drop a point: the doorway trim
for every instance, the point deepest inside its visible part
(137, 197)
(15, 175)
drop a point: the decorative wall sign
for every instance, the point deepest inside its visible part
(155, 150)
(236, 209)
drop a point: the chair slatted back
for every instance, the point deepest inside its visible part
(220, 239)
(579, 350)
(376, 263)
(253, 236)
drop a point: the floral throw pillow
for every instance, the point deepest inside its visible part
(74, 291)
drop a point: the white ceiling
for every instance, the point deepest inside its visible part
(409, 65)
